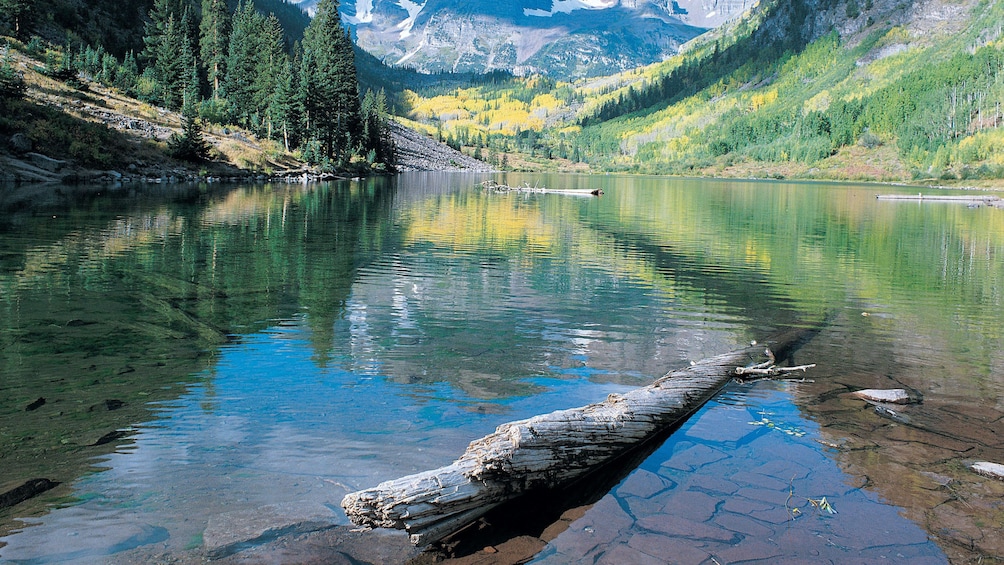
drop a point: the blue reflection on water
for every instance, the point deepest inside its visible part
(269, 425)
(741, 481)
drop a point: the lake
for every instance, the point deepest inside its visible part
(207, 371)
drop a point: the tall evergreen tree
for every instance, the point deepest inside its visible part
(191, 92)
(126, 77)
(156, 26)
(242, 61)
(189, 28)
(170, 63)
(331, 91)
(375, 137)
(271, 61)
(18, 15)
(213, 41)
(282, 107)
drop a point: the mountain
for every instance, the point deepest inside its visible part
(893, 90)
(561, 38)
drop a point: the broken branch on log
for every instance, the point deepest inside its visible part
(767, 369)
(765, 372)
(545, 451)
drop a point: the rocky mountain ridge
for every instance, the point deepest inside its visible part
(561, 38)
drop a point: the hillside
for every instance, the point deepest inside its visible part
(92, 133)
(896, 92)
(834, 89)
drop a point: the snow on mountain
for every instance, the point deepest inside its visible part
(565, 38)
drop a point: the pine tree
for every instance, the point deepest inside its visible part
(128, 73)
(331, 91)
(375, 134)
(189, 29)
(170, 64)
(192, 91)
(189, 145)
(156, 27)
(270, 63)
(213, 41)
(12, 86)
(282, 106)
(18, 15)
(242, 61)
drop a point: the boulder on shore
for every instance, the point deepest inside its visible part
(20, 143)
(45, 162)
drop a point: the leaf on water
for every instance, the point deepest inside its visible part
(822, 505)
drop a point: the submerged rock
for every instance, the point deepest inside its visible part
(35, 405)
(988, 469)
(891, 395)
(110, 437)
(28, 490)
(231, 532)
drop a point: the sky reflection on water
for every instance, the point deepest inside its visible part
(360, 332)
(268, 426)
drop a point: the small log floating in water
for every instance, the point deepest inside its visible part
(546, 451)
(985, 199)
(498, 187)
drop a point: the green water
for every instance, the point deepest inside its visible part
(256, 345)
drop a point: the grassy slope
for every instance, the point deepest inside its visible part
(881, 48)
(830, 69)
(97, 129)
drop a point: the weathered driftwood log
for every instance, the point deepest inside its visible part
(545, 451)
(977, 199)
(497, 187)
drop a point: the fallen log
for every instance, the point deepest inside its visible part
(547, 451)
(971, 199)
(497, 187)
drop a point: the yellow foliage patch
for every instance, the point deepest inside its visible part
(761, 99)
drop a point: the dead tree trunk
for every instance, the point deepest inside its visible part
(545, 451)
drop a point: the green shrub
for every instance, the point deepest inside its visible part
(215, 111)
(189, 145)
(12, 85)
(869, 140)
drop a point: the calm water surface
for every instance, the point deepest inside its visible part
(182, 361)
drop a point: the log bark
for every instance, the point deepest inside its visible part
(546, 451)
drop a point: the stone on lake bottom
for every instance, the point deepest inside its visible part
(891, 396)
(668, 548)
(231, 532)
(643, 484)
(695, 506)
(691, 458)
(678, 527)
(621, 554)
(724, 427)
(988, 469)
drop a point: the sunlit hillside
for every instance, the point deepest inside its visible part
(853, 90)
